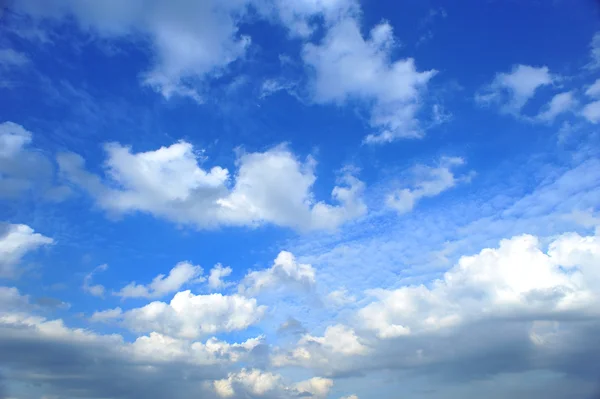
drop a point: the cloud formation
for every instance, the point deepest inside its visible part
(181, 274)
(16, 240)
(268, 187)
(429, 182)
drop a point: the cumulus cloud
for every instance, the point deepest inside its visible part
(189, 316)
(16, 240)
(49, 355)
(183, 273)
(190, 41)
(24, 170)
(257, 383)
(515, 280)
(338, 339)
(91, 288)
(269, 187)
(285, 273)
(429, 182)
(347, 66)
(217, 273)
(511, 91)
(593, 90)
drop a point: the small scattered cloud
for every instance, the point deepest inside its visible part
(216, 276)
(181, 274)
(16, 241)
(97, 290)
(430, 181)
(511, 91)
(285, 273)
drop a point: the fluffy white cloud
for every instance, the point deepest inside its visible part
(338, 339)
(24, 170)
(269, 187)
(349, 67)
(591, 112)
(91, 288)
(429, 182)
(183, 273)
(217, 273)
(257, 383)
(285, 273)
(559, 104)
(190, 40)
(515, 280)
(156, 347)
(16, 240)
(253, 381)
(511, 91)
(189, 316)
(34, 348)
(317, 387)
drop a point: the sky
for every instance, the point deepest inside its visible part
(324, 199)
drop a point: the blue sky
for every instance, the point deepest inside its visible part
(318, 198)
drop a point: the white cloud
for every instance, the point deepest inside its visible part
(24, 170)
(257, 383)
(12, 58)
(511, 91)
(559, 104)
(337, 339)
(340, 297)
(429, 182)
(190, 40)
(299, 16)
(217, 273)
(156, 347)
(189, 316)
(591, 112)
(253, 381)
(594, 52)
(94, 289)
(152, 366)
(285, 273)
(317, 387)
(181, 274)
(514, 281)
(16, 240)
(11, 300)
(594, 90)
(349, 67)
(269, 187)
(106, 315)
(350, 397)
